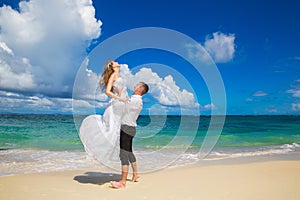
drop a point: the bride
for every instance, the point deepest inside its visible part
(100, 133)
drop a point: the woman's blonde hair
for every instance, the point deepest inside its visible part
(107, 72)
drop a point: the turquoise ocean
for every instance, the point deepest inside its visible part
(35, 143)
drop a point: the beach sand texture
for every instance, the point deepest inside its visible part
(257, 180)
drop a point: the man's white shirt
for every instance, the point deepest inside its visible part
(132, 110)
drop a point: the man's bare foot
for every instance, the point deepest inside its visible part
(117, 185)
(135, 177)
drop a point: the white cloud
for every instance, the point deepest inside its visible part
(43, 44)
(259, 94)
(6, 49)
(169, 97)
(164, 90)
(249, 99)
(296, 106)
(14, 102)
(297, 58)
(15, 72)
(272, 109)
(295, 92)
(87, 86)
(209, 107)
(82, 104)
(197, 52)
(220, 46)
(295, 89)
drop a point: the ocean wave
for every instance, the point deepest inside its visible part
(271, 150)
(23, 161)
(19, 161)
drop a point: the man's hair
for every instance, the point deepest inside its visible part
(145, 87)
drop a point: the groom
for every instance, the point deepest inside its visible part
(128, 130)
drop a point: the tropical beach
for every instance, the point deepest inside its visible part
(216, 88)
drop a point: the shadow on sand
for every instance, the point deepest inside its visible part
(98, 178)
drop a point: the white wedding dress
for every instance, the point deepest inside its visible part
(100, 133)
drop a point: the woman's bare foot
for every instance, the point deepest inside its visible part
(117, 185)
(135, 177)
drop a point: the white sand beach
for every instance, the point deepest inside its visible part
(258, 180)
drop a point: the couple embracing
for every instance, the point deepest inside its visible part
(103, 135)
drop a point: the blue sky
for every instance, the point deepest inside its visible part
(254, 45)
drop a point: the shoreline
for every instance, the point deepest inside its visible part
(275, 179)
(68, 161)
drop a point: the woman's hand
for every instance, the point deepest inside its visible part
(125, 100)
